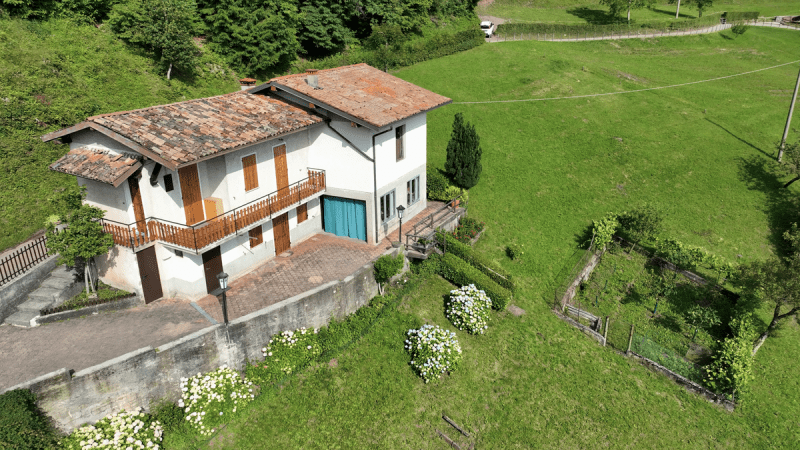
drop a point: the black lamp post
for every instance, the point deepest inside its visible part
(223, 288)
(400, 210)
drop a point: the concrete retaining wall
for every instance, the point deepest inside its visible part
(16, 292)
(145, 376)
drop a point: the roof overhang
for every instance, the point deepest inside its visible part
(87, 167)
(113, 135)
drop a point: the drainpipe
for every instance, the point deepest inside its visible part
(154, 175)
(375, 178)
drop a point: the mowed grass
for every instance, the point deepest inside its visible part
(577, 11)
(549, 168)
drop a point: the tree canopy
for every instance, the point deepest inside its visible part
(464, 152)
(616, 7)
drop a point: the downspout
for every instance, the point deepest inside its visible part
(375, 179)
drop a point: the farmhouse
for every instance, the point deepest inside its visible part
(223, 183)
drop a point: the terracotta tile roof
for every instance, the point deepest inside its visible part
(184, 132)
(98, 165)
(366, 93)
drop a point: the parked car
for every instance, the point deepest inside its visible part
(487, 27)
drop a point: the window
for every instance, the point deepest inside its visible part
(302, 213)
(387, 206)
(168, 186)
(398, 139)
(256, 236)
(412, 191)
(250, 173)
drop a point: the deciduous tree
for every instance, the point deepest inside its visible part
(464, 154)
(642, 222)
(615, 7)
(82, 239)
(775, 282)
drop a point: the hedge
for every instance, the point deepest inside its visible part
(738, 16)
(457, 271)
(22, 425)
(476, 260)
(590, 30)
(407, 54)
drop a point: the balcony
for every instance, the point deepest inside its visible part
(209, 233)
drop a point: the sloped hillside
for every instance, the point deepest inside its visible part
(56, 73)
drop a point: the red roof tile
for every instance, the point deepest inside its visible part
(183, 132)
(98, 165)
(365, 93)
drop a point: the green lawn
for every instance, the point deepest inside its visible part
(549, 168)
(572, 11)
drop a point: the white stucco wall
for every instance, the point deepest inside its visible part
(115, 201)
(93, 139)
(345, 167)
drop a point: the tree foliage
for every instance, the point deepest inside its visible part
(83, 238)
(789, 165)
(774, 282)
(732, 368)
(255, 36)
(616, 7)
(643, 222)
(464, 152)
(322, 28)
(702, 317)
(164, 26)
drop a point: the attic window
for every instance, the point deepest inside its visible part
(168, 186)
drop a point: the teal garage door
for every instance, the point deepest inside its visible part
(345, 217)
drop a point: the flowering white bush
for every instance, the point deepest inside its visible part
(210, 399)
(468, 309)
(434, 351)
(123, 430)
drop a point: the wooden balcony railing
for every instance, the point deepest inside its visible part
(206, 233)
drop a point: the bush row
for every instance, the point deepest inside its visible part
(738, 16)
(22, 425)
(476, 260)
(511, 29)
(457, 271)
(402, 55)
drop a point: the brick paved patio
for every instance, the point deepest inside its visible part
(26, 353)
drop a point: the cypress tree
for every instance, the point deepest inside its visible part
(463, 162)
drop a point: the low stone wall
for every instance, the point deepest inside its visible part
(582, 276)
(16, 291)
(147, 375)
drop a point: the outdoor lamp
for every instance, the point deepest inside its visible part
(400, 210)
(223, 288)
(223, 280)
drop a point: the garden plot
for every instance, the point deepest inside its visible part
(675, 321)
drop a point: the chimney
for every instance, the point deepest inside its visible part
(247, 83)
(312, 79)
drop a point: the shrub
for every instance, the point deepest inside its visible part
(476, 260)
(468, 229)
(739, 29)
(169, 414)
(285, 354)
(434, 351)
(453, 192)
(515, 251)
(386, 267)
(129, 430)
(436, 184)
(737, 16)
(206, 398)
(604, 230)
(21, 423)
(732, 368)
(457, 271)
(468, 309)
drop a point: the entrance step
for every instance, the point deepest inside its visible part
(23, 318)
(60, 286)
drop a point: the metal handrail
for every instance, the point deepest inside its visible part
(230, 222)
(432, 219)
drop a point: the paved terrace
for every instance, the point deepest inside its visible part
(76, 344)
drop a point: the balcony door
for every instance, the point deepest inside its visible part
(190, 192)
(281, 169)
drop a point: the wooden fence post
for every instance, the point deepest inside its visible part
(605, 333)
(630, 341)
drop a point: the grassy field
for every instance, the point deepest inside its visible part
(54, 74)
(549, 168)
(572, 11)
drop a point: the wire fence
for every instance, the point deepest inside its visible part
(574, 33)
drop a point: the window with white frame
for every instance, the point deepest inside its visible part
(412, 191)
(387, 206)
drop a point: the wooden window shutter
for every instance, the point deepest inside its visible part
(398, 138)
(256, 236)
(302, 213)
(250, 172)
